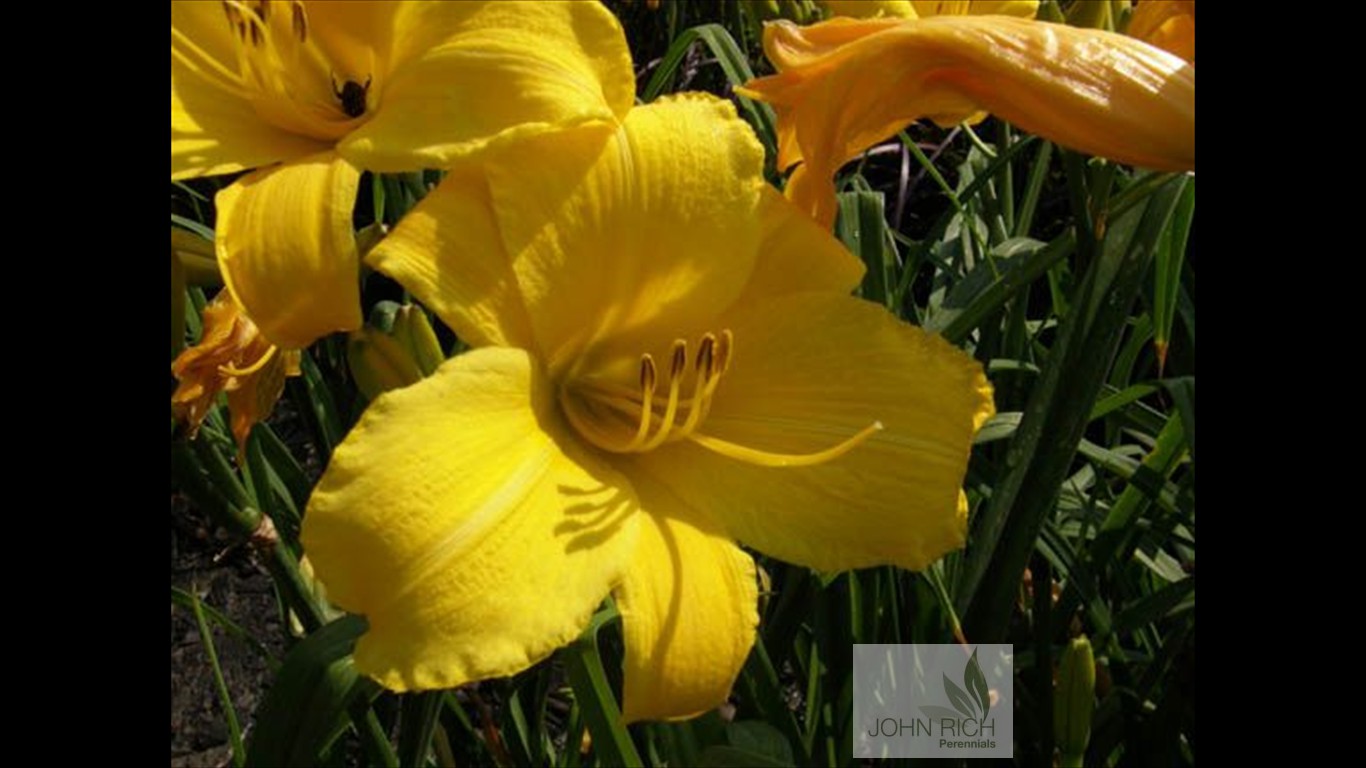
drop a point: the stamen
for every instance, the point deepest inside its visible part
(706, 370)
(299, 21)
(228, 370)
(676, 366)
(723, 351)
(601, 409)
(648, 379)
(723, 355)
(768, 459)
(257, 24)
(234, 15)
(208, 67)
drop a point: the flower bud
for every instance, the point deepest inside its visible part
(396, 348)
(1074, 700)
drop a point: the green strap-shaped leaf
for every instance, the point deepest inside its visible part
(733, 62)
(863, 231)
(307, 706)
(1167, 272)
(594, 695)
(1043, 448)
(177, 306)
(730, 757)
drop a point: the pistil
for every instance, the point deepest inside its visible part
(227, 369)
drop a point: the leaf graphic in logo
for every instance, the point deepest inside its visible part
(976, 684)
(960, 700)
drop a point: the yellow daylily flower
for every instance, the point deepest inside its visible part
(844, 85)
(311, 93)
(667, 359)
(1167, 24)
(231, 357)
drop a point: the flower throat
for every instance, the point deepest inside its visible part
(624, 420)
(281, 70)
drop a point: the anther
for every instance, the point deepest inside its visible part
(680, 358)
(706, 357)
(648, 379)
(705, 368)
(666, 422)
(299, 21)
(724, 346)
(648, 376)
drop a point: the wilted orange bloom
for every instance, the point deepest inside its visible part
(233, 357)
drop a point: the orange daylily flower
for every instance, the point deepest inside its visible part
(846, 84)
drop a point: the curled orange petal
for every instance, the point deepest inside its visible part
(844, 85)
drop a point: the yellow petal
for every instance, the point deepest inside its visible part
(449, 253)
(789, 46)
(808, 372)
(1024, 9)
(795, 255)
(463, 74)
(1167, 24)
(463, 523)
(287, 251)
(846, 85)
(631, 235)
(214, 128)
(689, 608)
(356, 36)
(867, 9)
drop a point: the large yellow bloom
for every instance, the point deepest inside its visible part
(667, 360)
(846, 84)
(312, 92)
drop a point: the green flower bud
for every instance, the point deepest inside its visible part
(1092, 14)
(1074, 700)
(397, 347)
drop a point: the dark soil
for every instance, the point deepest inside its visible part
(231, 580)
